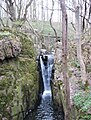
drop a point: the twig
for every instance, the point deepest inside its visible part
(4, 9)
(73, 26)
(2, 22)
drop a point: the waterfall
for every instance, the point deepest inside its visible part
(45, 110)
(46, 71)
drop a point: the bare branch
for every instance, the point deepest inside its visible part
(19, 8)
(2, 22)
(87, 2)
(10, 7)
(51, 20)
(32, 29)
(73, 26)
(5, 9)
(25, 14)
(79, 15)
(85, 19)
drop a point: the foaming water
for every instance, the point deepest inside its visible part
(46, 93)
(45, 111)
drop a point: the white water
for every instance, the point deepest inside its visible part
(46, 75)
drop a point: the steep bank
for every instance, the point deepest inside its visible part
(80, 96)
(19, 83)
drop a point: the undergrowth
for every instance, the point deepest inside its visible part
(82, 101)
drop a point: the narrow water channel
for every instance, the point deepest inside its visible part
(45, 110)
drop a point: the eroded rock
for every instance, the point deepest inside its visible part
(9, 47)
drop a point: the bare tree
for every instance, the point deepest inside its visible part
(12, 7)
(78, 25)
(26, 9)
(64, 58)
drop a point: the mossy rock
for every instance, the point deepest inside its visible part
(19, 82)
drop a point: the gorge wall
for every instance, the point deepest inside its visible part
(19, 83)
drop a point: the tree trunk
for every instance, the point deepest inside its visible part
(64, 58)
(10, 6)
(34, 10)
(42, 14)
(47, 10)
(38, 11)
(90, 17)
(0, 9)
(0, 13)
(78, 39)
(42, 11)
(31, 12)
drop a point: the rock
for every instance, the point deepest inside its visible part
(19, 80)
(2, 54)
(9, 47)
(4, 118)
(16, 47)
(58, 56)
(86, 51)
(1, 77)
(89, 78)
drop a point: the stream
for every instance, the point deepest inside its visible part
(45, 110)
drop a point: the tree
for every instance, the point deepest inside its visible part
(34, 10)
(64, 58)
(90, 16)
(47, 9)
(78, 24)
(42, 11)
(1, 12)
(12, 7)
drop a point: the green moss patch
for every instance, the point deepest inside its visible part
(18, 81)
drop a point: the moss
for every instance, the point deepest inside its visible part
(19, 82)
(88, 68)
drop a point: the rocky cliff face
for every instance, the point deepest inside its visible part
(9, 47)
(57, 81)
(19, 83)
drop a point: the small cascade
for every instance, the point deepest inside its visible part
(46, 71)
